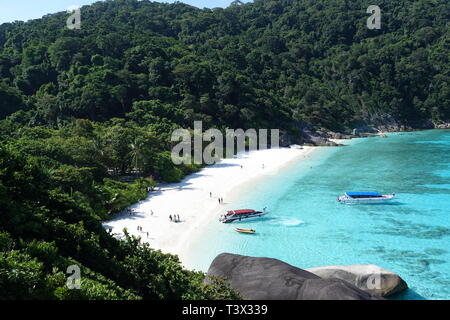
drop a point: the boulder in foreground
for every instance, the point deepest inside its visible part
(367, 277)
(272, 279)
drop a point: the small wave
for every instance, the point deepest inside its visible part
(287, 221)
(436, 186)
(446, 142)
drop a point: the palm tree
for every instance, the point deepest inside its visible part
(136, 153)
(98, 149)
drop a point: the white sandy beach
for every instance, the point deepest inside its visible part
(190, 199)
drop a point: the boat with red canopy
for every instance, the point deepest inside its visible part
(243, 214)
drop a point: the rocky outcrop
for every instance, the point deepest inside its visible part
(384, 123)
(287, 139)
(367, 277)
(272, 279)
(311, 137)
(339, 135)
(445, 125)
(373, 127)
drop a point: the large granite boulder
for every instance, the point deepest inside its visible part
(272, 279)
(368, 277)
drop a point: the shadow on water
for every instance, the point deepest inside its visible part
(408, 294)
(245, 221)
(391, 203)
(256, 234)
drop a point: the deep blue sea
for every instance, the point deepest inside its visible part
(306, 227)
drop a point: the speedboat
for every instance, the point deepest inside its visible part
(250, 231)
(365, 198)
(239, 215)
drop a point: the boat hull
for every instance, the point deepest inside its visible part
(381, 200)
(243, 217)
(249, 231)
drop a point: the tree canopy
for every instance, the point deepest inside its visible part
(82, 109)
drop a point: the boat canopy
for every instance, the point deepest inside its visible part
(245, 211)
(363, 194)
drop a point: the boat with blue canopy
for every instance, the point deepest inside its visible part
(365, 197)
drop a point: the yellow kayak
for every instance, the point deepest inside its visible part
(245, 230)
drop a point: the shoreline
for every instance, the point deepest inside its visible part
(190, 199)
(234, 195)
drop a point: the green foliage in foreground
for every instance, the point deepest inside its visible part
(44, 229)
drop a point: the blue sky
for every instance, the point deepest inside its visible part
(11, 10)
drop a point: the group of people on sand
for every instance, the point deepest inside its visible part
(175, 218)
(131, 212)
(139, 228)
(218, 199)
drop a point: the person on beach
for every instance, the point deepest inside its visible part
(170, 216)
(151, 212)
(210, 194)
(178, 216)
(147, 235)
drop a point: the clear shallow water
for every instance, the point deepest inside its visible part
(308, 228)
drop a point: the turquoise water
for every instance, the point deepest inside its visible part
(307, 227)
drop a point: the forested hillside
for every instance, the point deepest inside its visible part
(260, 64)
(79, 109)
